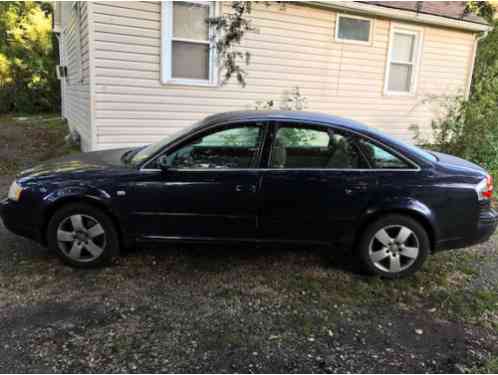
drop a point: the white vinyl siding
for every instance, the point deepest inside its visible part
(76, 86)
(293, 46)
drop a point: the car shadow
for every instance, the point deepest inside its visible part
(218, 258)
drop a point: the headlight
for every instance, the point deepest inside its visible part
(15, 191)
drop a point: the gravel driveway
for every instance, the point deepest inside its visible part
(243, 309)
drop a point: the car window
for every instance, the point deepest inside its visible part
(380, 158)
(235, 147)
(302, 147)
(148, 151)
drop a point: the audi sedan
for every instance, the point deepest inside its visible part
(258, 177)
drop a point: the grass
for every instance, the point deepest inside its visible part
(490, 366)
(440, 287)
(31, 139)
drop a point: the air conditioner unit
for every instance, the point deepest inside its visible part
(61, 71)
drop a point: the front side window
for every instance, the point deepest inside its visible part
(403, 60)
(235, 147)
(353, 29)
(313, 148)
(380, 158)
(187, 52)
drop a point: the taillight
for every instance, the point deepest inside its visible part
(485, 188)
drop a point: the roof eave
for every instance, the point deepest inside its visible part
(403, 15)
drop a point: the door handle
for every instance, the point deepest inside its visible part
(245, 188)
(356, 188)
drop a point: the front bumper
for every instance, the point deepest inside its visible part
(15, 220)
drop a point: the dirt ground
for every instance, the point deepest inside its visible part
(237, 309)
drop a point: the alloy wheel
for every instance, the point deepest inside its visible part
(81, 238)
(394, 248)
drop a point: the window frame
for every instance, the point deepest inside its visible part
(418, 33)
(352, 136)
(355, 136)
(410, 165)
(167, 39)
(352, 41)
(173, 147)
(265, 148)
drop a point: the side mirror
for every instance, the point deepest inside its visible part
(164, 163)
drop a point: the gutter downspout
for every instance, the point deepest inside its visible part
(472, 63)
(61, 62)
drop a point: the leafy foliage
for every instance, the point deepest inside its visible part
(291, 100)
(485, 9)
(230, 28)
(28, 82)
(469, 126)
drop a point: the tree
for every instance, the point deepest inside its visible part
(485, 9)
(28, 82)
(469, 127)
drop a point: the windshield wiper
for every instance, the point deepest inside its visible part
(125, 158)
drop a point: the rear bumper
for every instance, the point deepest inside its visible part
(488, 221)
(15, 220)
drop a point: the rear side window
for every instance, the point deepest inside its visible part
(380, 158)
(313, 148)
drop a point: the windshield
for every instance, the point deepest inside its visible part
(153, 148)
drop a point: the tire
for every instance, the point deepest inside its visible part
(83, 236)
(394, 246)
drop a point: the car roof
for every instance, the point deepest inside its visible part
(322, 118)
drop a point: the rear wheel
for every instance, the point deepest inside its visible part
(83, 236)
(394, 246)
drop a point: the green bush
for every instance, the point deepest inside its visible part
(469, 126)
(28, 55)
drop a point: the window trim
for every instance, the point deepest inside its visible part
(270, 125)
(352, 41)
(207, 131)
(386, 149)
(167, 48)
(277, 125)
(418, 32)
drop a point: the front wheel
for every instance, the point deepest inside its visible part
(394, 246)
(83, 236)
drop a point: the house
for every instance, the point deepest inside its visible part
(134, 72)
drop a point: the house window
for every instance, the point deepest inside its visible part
(188, 54)
(353, 29)
(403, 61)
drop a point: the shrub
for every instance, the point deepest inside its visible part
(469, 126)
(28, 54)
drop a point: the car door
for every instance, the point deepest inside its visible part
(210, 189)
(316, 185)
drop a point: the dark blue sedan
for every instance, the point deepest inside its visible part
(259, 177)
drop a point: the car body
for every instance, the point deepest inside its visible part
(262, 177)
